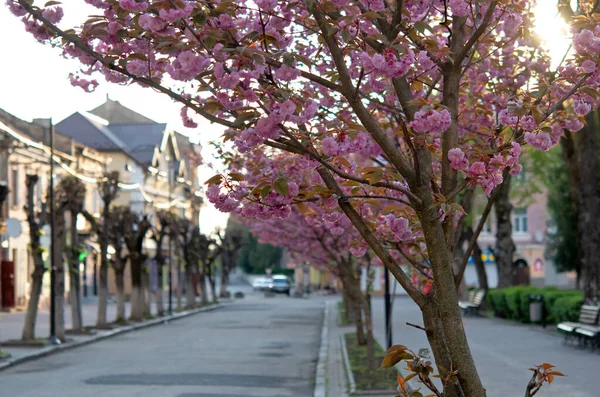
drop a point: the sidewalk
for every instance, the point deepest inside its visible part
(21, 354)
(337, 383)
(503, 352)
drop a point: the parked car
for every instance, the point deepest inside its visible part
(280, 284)
(261, 284)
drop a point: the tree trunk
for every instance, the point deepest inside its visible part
(505, 247)
(190, 299)
(160, 309)
(351, 284)
(74, 275)
(59, 276)
(37, 276)
(224, 282)
(34, 297)
(146, 293)
(102, 284)
(137, 299)
(179, 291)
(370, 341)
(213, 288)
(120, 284)
(480, 267)
(589, 210)
(202, 283)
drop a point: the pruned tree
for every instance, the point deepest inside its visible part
(59, 242)
(187, 234)
(232, 243)
(36, 219)
(159, 231)
(74, 196)
(116, 218)
(135, 227)
(108, 188)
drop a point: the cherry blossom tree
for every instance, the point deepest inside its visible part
(387, 109)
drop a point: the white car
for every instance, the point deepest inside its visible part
(261, 284)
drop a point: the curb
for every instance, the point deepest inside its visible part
(118, 331)
(321, 376)
(349, 374)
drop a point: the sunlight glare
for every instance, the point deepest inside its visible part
(552, 29)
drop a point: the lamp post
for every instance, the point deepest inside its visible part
(169, 159)
(388, 307)
(53, 339)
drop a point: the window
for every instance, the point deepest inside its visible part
(15, 187)
(520, 220)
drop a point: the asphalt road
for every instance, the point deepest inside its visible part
(263, 347)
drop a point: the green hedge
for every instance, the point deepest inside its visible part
(513, 303)
(567, 308)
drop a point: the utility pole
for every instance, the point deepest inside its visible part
(388, 311)
(53, 339)
(170, 160)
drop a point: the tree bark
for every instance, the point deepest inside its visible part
(179, 292)
(224, 282)
(74, 275)
(146, 293)
(589, 210)
(37, 276)
(160, 309)
(202, 283)
(482, 279)
(120, 284)
(190, 299)
(505, 247)
(59, 275)
(213, 288)
(351, 284)
(137, 299)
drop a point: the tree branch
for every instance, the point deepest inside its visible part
(370, 238)
(477, 34)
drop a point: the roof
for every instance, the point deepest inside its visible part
(141, 139)
(37, 132)
(115, 113)
(87, 131)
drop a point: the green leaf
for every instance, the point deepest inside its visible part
(236, 176)
(265, 191)
(281, 187)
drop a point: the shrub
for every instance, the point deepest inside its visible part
(497, 300)
(567, 308)
(513, 301)
(550, 298)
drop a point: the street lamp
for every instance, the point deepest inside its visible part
(53, 339)
(388, 308)
(170, 165)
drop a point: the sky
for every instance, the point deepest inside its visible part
(34, 84)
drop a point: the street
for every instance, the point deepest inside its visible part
(503, 352)
(263, 347)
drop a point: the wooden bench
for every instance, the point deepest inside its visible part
(474, 300)
(587, 326)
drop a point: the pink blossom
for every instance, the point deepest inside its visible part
(581, 108)
(16, 8)
(516, 170)
(528, 123)
(457, 159)
(460, 8)
(399, 227)
(175, 14)
(477, 168)
(541, 141)
(86, 85)
(505, 117)
(374, 5)
(573, 125)
(431, 121)
(330, 146)
(489, 182)
(588, 66)
(359, 251)
(287, 73)
(54, 14)
(150, 22)
(98, 3)
(187, 120)
(133, 5)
